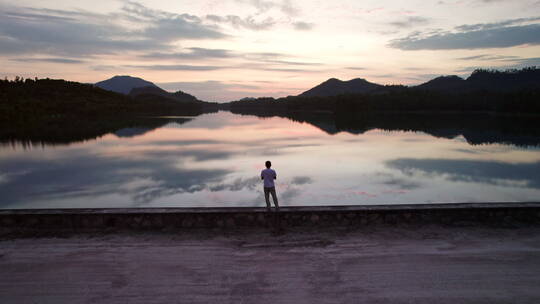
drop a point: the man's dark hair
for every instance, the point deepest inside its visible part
(268, 164)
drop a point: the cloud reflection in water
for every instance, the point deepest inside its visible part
(477, 171)
(218, 165)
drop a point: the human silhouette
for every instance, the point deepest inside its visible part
(268, 176)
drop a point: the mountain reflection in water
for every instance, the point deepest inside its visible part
(214, 160)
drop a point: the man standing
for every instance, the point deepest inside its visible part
(269, 175)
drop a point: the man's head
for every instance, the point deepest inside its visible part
(268, 164)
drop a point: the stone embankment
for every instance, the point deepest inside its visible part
(32, 221)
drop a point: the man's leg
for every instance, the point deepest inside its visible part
(267, 197)
(274, 197)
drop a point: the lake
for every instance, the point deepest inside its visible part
(215, 160)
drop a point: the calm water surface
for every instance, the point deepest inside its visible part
(215, 160)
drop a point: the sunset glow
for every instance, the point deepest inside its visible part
(226, 50)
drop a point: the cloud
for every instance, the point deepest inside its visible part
(263, 6)
(526, 62)
(238, 184)
(254, 63)
(272, 58)
(289, 194)
(468, 151)
(286, 62)
(294, 188)
(409, 22)
(499, 62)
(76, 33)
(248, 22)
(495, 25)
(177, 142)
(192, 53)
(196, 53)
(147, 175)
(525, 175)
(30, 16)
(212, 90)
(481, 2)
(180, 27)
(303, 26)
(175, 67)
(202, 85)
(264, 55)
(195, 154)
(288, 8)
(78, 174)
(476, 36)
(42, 34)
(486, 57)
(51, 59)
(399, 182)
(301, 180)
(262, 20)
(289, 70)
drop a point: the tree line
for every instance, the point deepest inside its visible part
(28, 99)
(511, 91)
(59, 111)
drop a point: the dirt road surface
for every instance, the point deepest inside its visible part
(380, 265)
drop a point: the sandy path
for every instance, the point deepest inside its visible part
(387, 265)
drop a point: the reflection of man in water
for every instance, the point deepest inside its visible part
(269, 175)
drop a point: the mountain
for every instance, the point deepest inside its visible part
(333, 87)
(486, 80)
(153, 90)
(142, 89)
(183, 96)
(47, 101)
(479, 80)
(123, 84)
(503, 81)
(444, 83)
(156, 91)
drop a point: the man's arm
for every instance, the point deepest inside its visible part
(275, 175)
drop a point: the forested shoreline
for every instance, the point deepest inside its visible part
(508, 92)
(45, 99)
(58, 111)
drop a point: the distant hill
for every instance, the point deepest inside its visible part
(510, 91)
(486, 80)
(123, 84)
(142, 89)
(333, 87)
(479, 80)
(444, 83)
(183, 96)
(505, 81)
(49, 99)
(156, 91)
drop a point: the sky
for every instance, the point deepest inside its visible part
(226, 50)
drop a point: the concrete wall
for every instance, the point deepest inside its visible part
(174, 219)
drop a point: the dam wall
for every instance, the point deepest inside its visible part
(36, 221)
